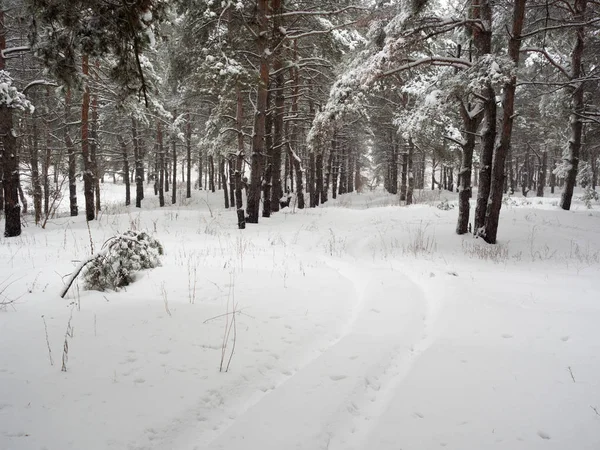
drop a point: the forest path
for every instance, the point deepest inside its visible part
(335, 399)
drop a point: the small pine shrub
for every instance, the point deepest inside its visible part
(121, 257)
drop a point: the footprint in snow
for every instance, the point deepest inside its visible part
(543, 435)
(419, 415)
(337, 377)
(507, 336)
(565, 338)
(139, 381)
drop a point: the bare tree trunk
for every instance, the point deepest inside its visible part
(188, 148)
(487, 154)
(88, 172)
(230, 166)
(161, 165)
(268, 178)
(470, 125)
(174, 169)
(35, 171)
(95, 167)
(139, 165)
(411, 177)
(224, 182)
(279, 80)
(319, 177)
(492, 216)
(577, 108)
(258, 140)
(312, 193)
(211, 173)
(404, 177)
(72, 162)
(125, 157)
(239, 161)
(542, 170)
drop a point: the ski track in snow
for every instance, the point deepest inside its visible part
(363, 370)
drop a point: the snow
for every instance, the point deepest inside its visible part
(359, 325)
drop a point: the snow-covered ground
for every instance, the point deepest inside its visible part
(358, 325)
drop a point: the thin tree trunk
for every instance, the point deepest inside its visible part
(319, 178)
(174, 165)
(88, 173)
(35, 172)
(279, 80)
(95, 167)
(188, 148)
(312, 193)
(72, 161)
(404, 177)
(139, 165)
(230, 166)
(211, 173)
(161, 165)
(224, 182)
(125, 157)
(239, 162)
(411, 178)
(268, 178)
(470, 125)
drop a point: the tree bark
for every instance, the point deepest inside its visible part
(88, 174)
(125, 157)
(161, 165)
(35, 172)
(487, 154)
(239, 162)
(492, 217)
(576, 89)
(276, 153)
(258, 139)
(409, 168)
(174, 169)
(138, 155)
(188, 148)
(224, 182)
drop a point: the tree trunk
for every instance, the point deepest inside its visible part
(409, 168)
(542, 170)
(239, 162)
(404, 177)
(470, 125)
(230, 166)
(279, 80)
(188, 148)
(492, 216)
(161, 165)
(487, 154)
(88, 173)
(258, 139)
(268, 178)
(35, 172)
(123, 146)
(211, 173)
(139, 165)
(174, 164)
(224, 182)
(577, 108)
(319, 176)
(95, 167)
(312, 192)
